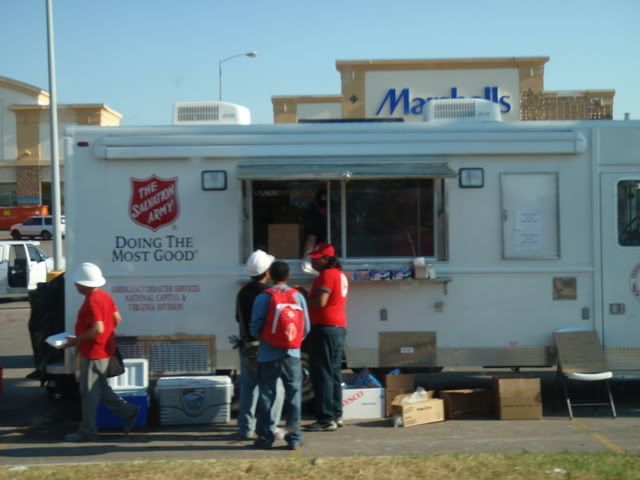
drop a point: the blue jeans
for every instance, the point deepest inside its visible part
(289, 370)
(249, 396)
(327, 345)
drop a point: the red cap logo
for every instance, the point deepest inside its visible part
(154, 201)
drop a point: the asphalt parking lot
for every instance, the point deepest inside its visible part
(32, 425)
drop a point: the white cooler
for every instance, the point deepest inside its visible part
(194, 400)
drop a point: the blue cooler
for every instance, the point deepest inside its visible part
(131, 386)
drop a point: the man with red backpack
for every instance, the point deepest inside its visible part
(258, 265)
(281, 320)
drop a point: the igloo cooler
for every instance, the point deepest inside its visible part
(131, 386)
(194, 400)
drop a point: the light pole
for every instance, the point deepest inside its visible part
(55, 161)
(251, 54)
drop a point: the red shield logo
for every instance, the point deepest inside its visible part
(154, 201)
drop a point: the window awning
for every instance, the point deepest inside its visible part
(332, 169)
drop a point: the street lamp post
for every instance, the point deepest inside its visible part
(251, 54)
(55, 161)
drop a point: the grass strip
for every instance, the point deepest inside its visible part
(523, 466)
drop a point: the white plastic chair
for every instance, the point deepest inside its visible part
(581, 359)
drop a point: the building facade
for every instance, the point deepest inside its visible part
(25, 149)
(384, 89)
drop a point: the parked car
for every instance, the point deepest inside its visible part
(36, 226)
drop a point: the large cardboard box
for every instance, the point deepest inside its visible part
(419, 413)
(362, 403)
(397, 385)
(518, 398)
(467, 403)
(284, 240)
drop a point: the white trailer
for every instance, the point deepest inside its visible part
(529, 226)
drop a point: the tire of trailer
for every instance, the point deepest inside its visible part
(307, 388)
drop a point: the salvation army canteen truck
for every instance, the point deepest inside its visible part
(467, 242)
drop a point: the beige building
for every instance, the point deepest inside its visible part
(383, 89)
(25, 155)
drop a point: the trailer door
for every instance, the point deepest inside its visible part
(620, 229)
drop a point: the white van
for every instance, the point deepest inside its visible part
(22, 266)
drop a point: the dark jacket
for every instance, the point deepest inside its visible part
(244, 306)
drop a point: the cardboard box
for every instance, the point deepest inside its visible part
(397, 385)
(518, 398)
(362, 403)
(419, 413)
(284, 240)
(467, 403)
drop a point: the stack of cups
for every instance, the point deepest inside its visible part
(420, 268)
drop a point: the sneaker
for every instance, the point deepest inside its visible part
(279, 434)
(262, 444)
(339, 422)
(78, 437)
(322, 427)
(130, 421)
(247, 436)
(294, 446)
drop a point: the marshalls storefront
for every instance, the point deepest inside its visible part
(378, 89)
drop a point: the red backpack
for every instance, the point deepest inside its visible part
(284, 325)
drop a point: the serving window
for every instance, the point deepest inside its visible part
(363, 219)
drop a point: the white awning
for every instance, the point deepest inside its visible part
(341, 169)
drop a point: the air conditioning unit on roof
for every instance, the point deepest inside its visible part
(210, 113)
(462, 109)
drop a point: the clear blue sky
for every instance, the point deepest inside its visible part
(141, 56)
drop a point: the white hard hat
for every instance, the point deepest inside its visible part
(259, 262)
(88, 275)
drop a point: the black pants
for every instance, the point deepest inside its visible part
(327, 344)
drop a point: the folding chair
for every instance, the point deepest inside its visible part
(581, 359)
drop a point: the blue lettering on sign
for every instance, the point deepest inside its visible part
(395, 98)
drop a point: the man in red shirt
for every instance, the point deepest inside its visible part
(327, 308)
(95, 340)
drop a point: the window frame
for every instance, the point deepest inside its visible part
(440, 217)
(635, 220)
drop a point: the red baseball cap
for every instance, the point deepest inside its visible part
(323, 250)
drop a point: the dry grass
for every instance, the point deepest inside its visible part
(523, 466)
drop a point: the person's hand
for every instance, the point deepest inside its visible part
(71, 342)
(302, 290)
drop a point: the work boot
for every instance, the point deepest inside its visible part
(262, 444)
